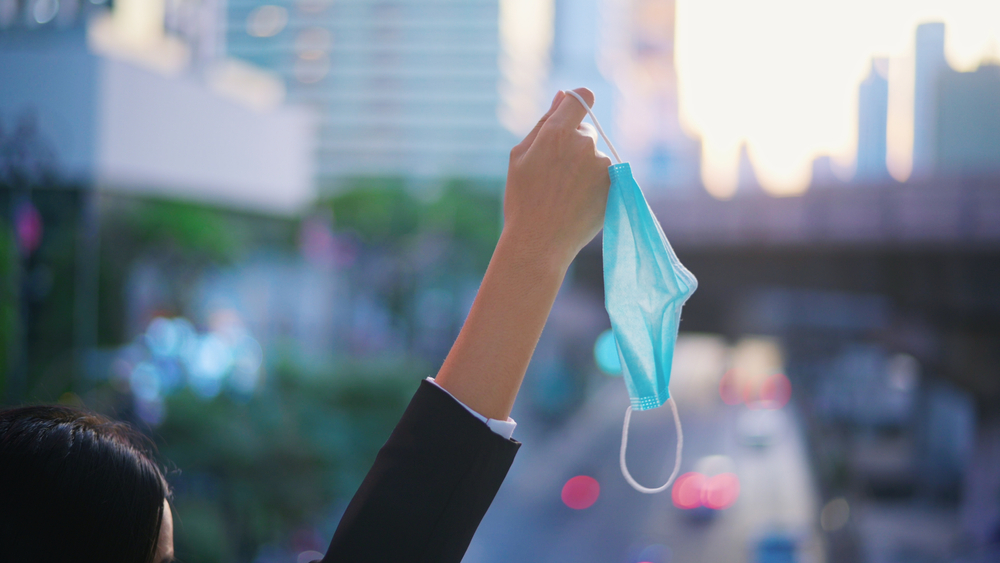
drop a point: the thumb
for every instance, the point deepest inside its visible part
(530, 138)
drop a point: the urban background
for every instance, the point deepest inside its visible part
(250, 227)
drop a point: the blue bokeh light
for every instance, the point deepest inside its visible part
(144, 381)
(656, 553)
(606, 353)
(163, 337)
(212, 362)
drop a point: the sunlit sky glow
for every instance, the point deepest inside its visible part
(783, 75)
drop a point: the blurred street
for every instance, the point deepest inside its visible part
(528, 521)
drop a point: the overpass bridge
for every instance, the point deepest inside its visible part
(914, 267)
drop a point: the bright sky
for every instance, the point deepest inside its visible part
(783, 75)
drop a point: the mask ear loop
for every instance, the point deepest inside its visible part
(597, 124)
(628, 412)
(677, 462)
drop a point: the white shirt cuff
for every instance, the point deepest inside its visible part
(504, 428)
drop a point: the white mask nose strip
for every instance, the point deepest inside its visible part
(597, 124)
(677, 461)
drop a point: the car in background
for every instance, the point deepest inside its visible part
(776, 547)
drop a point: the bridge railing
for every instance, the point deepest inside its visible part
(946, 212)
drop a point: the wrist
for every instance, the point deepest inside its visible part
(533, 253)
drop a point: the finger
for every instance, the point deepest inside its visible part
(530, 138)
(570, 112)
(588, 130)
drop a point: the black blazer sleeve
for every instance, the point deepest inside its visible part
(429, 488)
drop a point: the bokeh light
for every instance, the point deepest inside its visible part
(313, 43)
(606, 353)
(163, 337)
(835, 515)
(776, 391)
(151, 412)
(581, 492)
(721, 491)
(729, 389)
(28, 226)
(686, 492)
(267, 21)
(758, 427)
(311, 71)
(694, 490)
(212, 361)
(144, 381)
(44, 10)
(759, 392)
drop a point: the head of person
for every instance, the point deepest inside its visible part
(78, 487)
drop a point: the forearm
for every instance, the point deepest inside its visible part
(487, 363)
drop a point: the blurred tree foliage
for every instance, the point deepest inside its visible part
(384, 211)
(187, 237)
(38, 295)
(255, 472)
(249, 471)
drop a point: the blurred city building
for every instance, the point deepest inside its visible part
(130, 107)
(873, 112)
(623, 50)
(639, 60)
(967, 130)
(405, 88)
(930, 64)
(746, 177)
(823, 172)
(580, 53)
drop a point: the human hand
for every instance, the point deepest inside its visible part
(557, 184)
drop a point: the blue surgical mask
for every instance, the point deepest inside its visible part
(645, 286)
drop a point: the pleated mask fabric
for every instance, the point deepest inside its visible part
(645, 287)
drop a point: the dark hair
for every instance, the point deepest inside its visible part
(76, 486)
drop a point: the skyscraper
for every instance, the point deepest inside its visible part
(640, 63)
(406, 88)
(930, 63)
(746, 176)
(873, 111)
(968, 122)
(578, 50)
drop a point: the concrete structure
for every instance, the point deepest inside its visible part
(967, 129)
(130, 116)
(930, 63)
(411, 88)
(873, 112)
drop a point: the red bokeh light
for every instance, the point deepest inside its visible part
(686, 492)
(28, 227)
(721, 491)
(581, 492)
(729, 389)
(773, 392)
(693, 490)
(776, 391)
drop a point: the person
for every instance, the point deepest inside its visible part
(75, 486)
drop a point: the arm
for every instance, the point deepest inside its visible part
(436, 476)
(557, 188)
